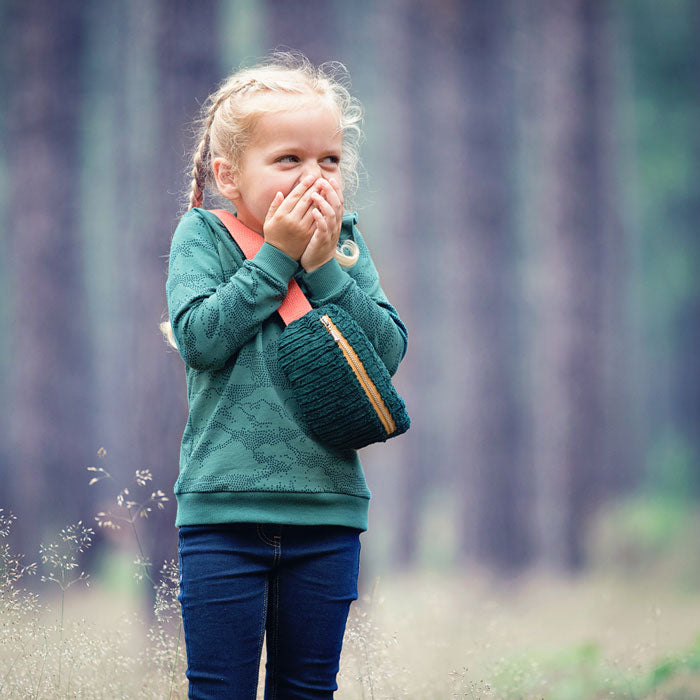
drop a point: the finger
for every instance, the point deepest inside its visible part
(307, 220)
(274, 205)
(302, 206)
(333, 193)
(315, 227)
(332, 215)
(336, 193)
(321, 222)
(302, 188)
(306, 201)
(323, 204)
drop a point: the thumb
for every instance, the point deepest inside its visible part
(274, 205)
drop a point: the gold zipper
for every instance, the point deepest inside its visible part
(366, 383)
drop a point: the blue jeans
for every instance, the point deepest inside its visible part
(241, 580)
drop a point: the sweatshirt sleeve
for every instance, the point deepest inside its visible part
(357, 291)
(212, 315)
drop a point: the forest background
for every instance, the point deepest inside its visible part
(531, 200)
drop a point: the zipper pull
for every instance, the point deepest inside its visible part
(326, 321)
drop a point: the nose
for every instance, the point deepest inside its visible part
(313, 169)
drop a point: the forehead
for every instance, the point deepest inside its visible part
(290, 117)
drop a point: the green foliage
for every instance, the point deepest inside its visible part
(652, 522)
(438, 544)
(653, 535)
(667, 110)
(672, 466)
(581, 672)
(677, 666)
(653, 529)
(662, 105)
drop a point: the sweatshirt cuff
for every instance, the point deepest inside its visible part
(275, 263)
(326, 281)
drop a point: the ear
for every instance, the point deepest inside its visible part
(225, 178)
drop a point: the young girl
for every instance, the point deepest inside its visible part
(269, 518)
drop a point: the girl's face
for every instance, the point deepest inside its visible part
(285, 146)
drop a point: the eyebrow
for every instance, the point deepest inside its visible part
(282, 150)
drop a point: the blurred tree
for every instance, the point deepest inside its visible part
(567, 401)
(51, 414)
(689, 322)
(487, 456)
(309, 26)
(6, 86)
(103, 163)
(242, 31)
(448, 120)
(663, 205)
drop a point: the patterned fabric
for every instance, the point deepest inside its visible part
(245, 455)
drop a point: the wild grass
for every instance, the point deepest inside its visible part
(468, 636)
(424, 634)
(49, 649)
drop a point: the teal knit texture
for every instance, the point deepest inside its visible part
(334, 404)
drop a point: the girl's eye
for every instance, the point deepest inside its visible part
(288, 159)
(332, 159)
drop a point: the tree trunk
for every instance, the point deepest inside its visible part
(309, 26)
(50, 424)
(488, 288)
(567, 406)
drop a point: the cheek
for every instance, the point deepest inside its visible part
(283, 184)
(265, 196)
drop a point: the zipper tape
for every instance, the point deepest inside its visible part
(368, 386)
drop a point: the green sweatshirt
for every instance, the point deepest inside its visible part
(245, 454)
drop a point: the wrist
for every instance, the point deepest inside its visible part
(284, 241)
(285, 250)
(275, 262)
(313, 265)
(311, 268)
(326, 282)
(286, 244)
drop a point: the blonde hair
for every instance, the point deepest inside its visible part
(228, 117)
